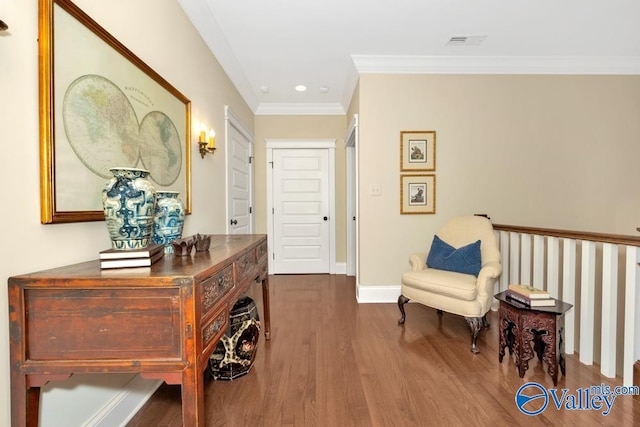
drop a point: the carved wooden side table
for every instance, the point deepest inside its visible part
(533, 331)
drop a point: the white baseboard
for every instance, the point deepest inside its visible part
(338, 268)
(125, 404)
(377, 294)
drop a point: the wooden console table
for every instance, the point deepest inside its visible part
(162, 322)
(520, 326)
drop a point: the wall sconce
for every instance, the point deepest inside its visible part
(207, 145)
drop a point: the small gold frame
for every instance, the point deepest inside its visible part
(418, 194)
(418, 151)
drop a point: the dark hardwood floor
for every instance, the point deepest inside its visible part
(334, 362)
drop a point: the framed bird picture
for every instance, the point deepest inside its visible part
(418, 151)
(418, 194)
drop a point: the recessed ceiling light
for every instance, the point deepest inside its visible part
(264, 89)
(300, 88)
(324, 89)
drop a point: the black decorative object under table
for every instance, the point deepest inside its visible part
(236, 350)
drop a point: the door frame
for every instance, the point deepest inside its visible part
(351, 144)
(288, 144)
(232, 119)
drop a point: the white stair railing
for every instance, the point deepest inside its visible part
(598, 268)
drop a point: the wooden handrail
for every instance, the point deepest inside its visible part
(616, 239)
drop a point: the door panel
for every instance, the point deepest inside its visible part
(239, 181)
(301, 209)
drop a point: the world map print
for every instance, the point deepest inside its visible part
(104, 132)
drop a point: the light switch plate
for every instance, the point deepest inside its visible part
(375, 190)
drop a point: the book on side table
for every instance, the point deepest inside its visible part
(147, 252)
(530, 302)
(529, 291)
(131, 262)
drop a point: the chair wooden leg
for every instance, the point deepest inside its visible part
(475, 323)
(402, 300)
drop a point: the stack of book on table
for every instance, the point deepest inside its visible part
(112, 258)
(530, 296)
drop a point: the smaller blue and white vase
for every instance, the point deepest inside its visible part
(168, 219)
(129, 201)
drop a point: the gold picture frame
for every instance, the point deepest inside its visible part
(418, 151)
(418, 194)
(101, 107)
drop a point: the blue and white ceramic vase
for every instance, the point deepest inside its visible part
(168, 219)
(129, 202)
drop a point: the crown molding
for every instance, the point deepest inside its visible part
(390, 64)
(294, 109)
(202, 17)
(350, 83)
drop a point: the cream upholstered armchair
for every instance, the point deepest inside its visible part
(464, 246)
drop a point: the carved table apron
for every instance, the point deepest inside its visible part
(162, 322)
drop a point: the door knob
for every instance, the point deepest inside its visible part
(325, 218)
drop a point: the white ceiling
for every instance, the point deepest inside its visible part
(281, 43)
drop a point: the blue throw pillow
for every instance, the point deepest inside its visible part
(466, 259)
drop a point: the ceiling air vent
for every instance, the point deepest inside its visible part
(466, 40)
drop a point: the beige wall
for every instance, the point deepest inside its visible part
(302, 127)
(162, 37)
(546, 151)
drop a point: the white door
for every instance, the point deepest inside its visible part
(352, 197)
(239, 179)
(301, 209)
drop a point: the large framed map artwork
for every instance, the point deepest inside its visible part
(102, 107)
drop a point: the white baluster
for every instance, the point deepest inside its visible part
(553, 262)
(569, 292)
(538, 262)
(587, 301)
(514, 258)
(504, 254)
(609, 309)
(525, 259)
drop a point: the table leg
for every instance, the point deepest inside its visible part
(507, 336)
(524, 346)
(508, 330)
(19, 400)
(560, 339)
(25, 396)
(266, 307)
(555, 356)
(502, 343)
(193, 398)
(33, 406)
(550, 356)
